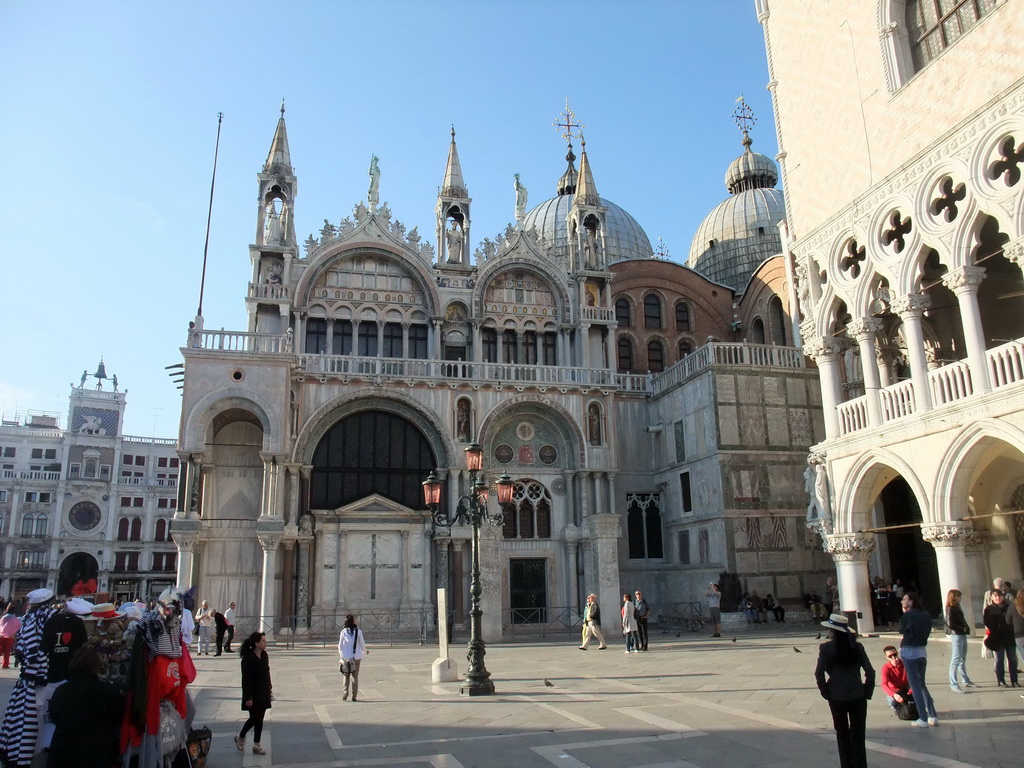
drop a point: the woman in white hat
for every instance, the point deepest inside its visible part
(840, 661)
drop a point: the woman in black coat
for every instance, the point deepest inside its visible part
(257, 690)
(841, 659)
(86, 713)
(1000, 638)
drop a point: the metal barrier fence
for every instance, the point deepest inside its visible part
(390, 627)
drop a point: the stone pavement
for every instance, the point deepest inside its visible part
(689, 702)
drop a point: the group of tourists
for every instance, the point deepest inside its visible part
(633, 616)
(846, 679)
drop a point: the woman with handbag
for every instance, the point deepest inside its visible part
(1000, 639)
(352, 649)
(841, 659)
(958, 630)
(257, 690)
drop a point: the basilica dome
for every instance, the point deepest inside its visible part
(624, 237)
(742, 231)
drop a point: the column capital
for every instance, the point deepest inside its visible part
(1014, 252)
(603, 526)
(269, 540)
(186, 542)
(306, 470)
(864, 327)
(964, 278)
(911, 304)
(954, 533)
(849, 547)
(824, 347)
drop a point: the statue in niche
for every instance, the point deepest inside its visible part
(590, 248)
(306, 523)
(520, 200)
(594, 424)
(462, 421)
(819, 507)
(373, 195)
(454, 237)
(273, 229)
(274, 270)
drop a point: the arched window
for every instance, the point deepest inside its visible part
(489, 340)
(682, 316)
(42, 524)
(777, 321)
(90, 468)
(529, 514)
(316, 336)
(625, 355)
(685, 349)
(643, 524)
(371, 452)
(122, 529)
(652, 311)
(757, 331)
(622, 313)
(655, 356)
(28, 523)
(136, 534)
(934, 25)
(161, 530)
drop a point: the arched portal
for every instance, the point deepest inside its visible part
(911, 559)
(78, 574)
(371, 452)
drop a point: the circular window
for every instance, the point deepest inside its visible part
(84, 516)
(237, 374)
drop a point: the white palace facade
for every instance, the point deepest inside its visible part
(901, 127)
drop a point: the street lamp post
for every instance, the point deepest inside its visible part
(472, 509)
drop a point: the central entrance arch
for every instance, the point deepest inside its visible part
(79, 570)
(911, 559)
(371, 452)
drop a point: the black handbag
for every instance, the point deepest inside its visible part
(906, 709)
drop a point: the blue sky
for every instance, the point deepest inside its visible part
(110, 121)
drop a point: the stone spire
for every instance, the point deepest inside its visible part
(586, 189)
(453, 185)
(279, 160)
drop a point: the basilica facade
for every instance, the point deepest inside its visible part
(654, 417)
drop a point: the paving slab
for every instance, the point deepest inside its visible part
(689, 702)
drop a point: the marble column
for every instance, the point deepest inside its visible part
(572, 545)
(186, 544)
(406, 570)
(287, 584)
(851, 552)
(458, 583)
(964, 282)
(604, 532)
(585, 343)
(491, 583)
(268, 584)
(302, 609)
(585, 507)
(826, 353)
(864, 330)
(327, 572)
(292, 503)
(911, 309)
(950, 541)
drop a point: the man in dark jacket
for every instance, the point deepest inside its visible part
(221, 626)
(592, 623)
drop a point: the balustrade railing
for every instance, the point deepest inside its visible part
(898, 400)
(234, 341)
(951, 383)
(1006, 364)
(268, 291)
(853, 415)
(597, 314)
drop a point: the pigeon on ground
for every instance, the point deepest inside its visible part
(796, 650)
(734, 639)
(818, 637)
(548, 683)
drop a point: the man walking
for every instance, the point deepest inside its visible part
(229, 618)
(592, 623)
(641, 610)
(205, 620)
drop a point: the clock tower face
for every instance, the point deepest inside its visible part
(84, 516)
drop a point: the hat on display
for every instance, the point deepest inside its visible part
(104, 611)
(78, 606)
(837, 621)
(40, 596)
(131, 610)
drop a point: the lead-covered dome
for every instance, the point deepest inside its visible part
(742, 231)
(624, 237)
